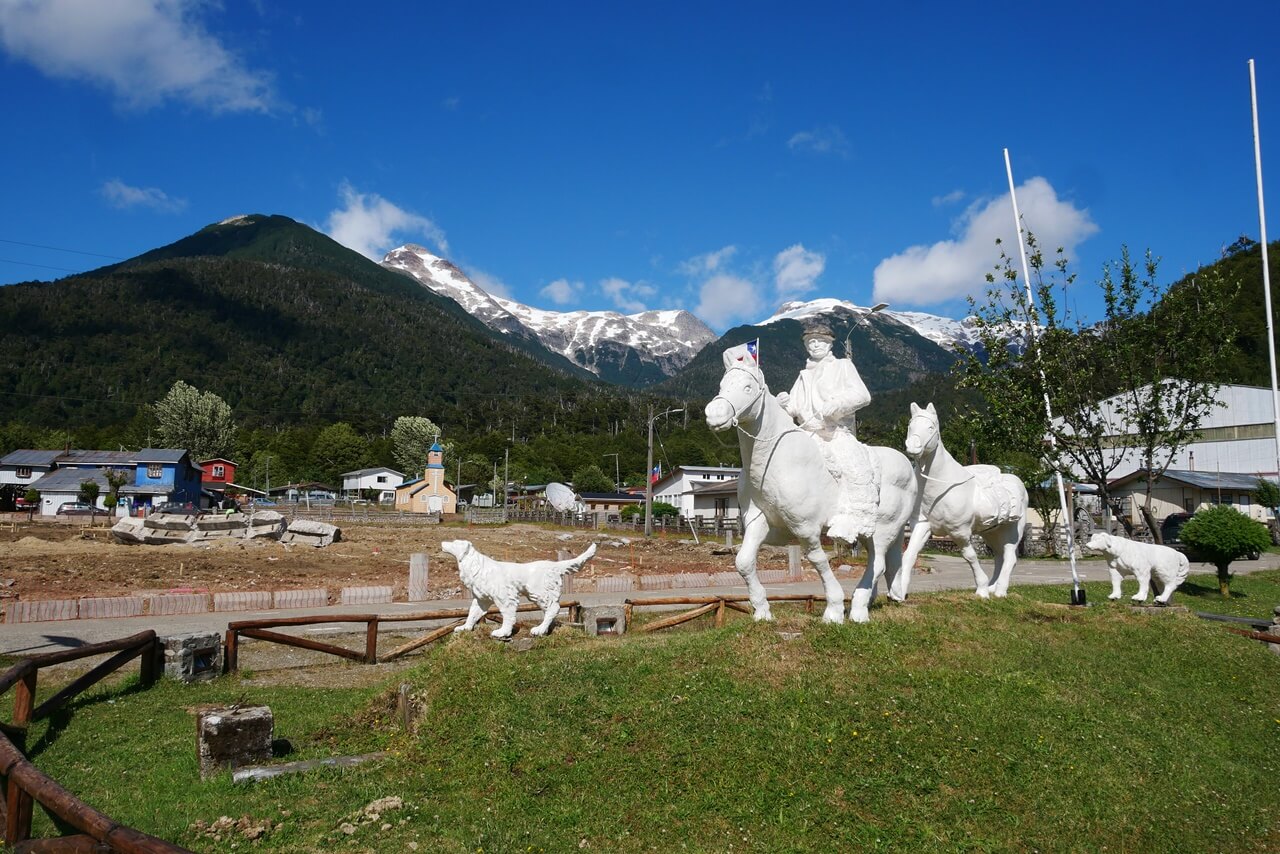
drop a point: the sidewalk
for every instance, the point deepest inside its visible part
(948, 573)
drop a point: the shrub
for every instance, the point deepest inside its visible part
(1222, 534)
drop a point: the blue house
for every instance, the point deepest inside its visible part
(158, 475)
(164, 475)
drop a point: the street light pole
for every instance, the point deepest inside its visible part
(648, 473)
(617, 471)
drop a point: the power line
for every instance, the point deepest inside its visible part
(60, 249)
(45, 266)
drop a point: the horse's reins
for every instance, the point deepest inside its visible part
(919, 464)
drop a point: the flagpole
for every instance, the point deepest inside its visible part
(1076, 597)
(1266, 267)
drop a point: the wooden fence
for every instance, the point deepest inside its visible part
(261, 630)
(25, 785)
(708, 604)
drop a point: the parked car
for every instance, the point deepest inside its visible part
(77, 508)
(183, 507)
(1171, 534)
(21, 503)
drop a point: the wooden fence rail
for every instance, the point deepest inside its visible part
(261, 630)
(706, 604)
(25, 785)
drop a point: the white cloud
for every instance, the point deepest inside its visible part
(562, 291)
(368, 224)
(144, 51)
(796, 269)
(947, 199)
(827, 139)
(625, 294)
(708, 262)
(489, 283)
(120, 195)
(725, 298)
(926, 275)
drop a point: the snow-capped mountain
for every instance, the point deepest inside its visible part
(943, 331)
(631, 349)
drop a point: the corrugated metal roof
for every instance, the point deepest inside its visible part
(619, 497)
(76, 457)
(160, 455)
(1235, 481)
(363, 472)
(68, 480)
(29, 458)
(714, 487)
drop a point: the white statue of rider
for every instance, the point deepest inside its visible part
(824, 401)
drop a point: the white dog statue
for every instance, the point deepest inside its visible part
(496, 582)
(1142, 561)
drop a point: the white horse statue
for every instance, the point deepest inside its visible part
(786, 494)
(961, 502)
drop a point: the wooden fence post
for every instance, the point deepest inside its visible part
(371, 642)
(231, 652)
(148, 669)
(18, 803)
(720, 613)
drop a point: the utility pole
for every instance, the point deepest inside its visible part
(648, 473)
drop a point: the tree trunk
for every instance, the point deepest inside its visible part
(1152, 525)
(1224, 580)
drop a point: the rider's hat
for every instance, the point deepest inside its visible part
(818, 329)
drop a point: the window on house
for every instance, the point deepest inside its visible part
(382, 478)
(24, 472)
(1243, 502)
(219, 471)
(154, 470)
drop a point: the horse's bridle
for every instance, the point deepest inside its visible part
(734, 419)
(919, 462)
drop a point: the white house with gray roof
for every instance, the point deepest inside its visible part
(704, 492)
(23, 468)
(383, 479)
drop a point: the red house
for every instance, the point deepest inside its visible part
(218, 473)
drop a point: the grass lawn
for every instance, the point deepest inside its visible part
(949, 724)
(1252, 595)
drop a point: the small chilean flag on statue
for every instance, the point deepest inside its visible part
(753, 350)
(656, 474)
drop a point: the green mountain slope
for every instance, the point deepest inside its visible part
(285, 324)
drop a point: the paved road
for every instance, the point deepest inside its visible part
(949, 573)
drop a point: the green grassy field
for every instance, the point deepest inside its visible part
(949, 724)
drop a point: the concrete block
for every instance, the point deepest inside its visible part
(418, 575)
(93, 608)
(772, 576)
(233, 737)
(793, 561)
(166, 538)
(271, 530)
(244, 600)
(40, 610)
(365, 595)
(129, 530)
(194, 657)
(614, 584)
(170, 522)
(579, 584)
(693, 579)
(655, 582)
(317, 534)
(222, 522)
(315, 598)
(604, 619)
(178, 603)
(726, 579)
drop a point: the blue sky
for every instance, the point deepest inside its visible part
(721, 158)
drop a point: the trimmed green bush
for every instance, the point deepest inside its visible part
(1221, 534)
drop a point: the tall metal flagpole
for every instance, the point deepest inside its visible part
(1076, 598)
(1266, 267)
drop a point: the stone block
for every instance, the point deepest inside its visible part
(40, 610)
(195, 657)
(604, 619)
(579, 584)
(93, 608)
(418, 576)
(170, 522)
(318, 534)
(177, 603)
(129, 530)
(772, 576)
(224, 522)
(614, 584)
(234, 737)
(365, 595)
(166, 538)
(243, 600)
(655, 582)
(271, 530)
(290, 538)
(315, 598)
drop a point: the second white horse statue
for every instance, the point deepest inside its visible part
(786, 494)
(962, 502)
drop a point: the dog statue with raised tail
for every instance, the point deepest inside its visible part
(495, 582)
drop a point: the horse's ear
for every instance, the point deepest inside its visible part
(929, 409)
(915, 410)
(729, 358)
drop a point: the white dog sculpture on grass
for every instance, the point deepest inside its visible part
(496, 582)
(1142, 561)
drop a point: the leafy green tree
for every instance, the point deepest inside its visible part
(338, 448)
(89, 495)
(32, 497)
(411, 438)
(1222, 534)
(197, 421)
(1267, 493)
(591, 479)
(263, 469)
(661, 509)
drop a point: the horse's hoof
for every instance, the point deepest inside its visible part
(833, 617)
(859, 617)
(1000, 594)
(1114, 598)
(762, 617)
(982, 593)
(899, 599)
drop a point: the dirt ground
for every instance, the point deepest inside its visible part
(49, 560)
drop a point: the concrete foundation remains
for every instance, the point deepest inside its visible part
(233, 737)
(604, 619)
(304, 533)
(193, 657)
